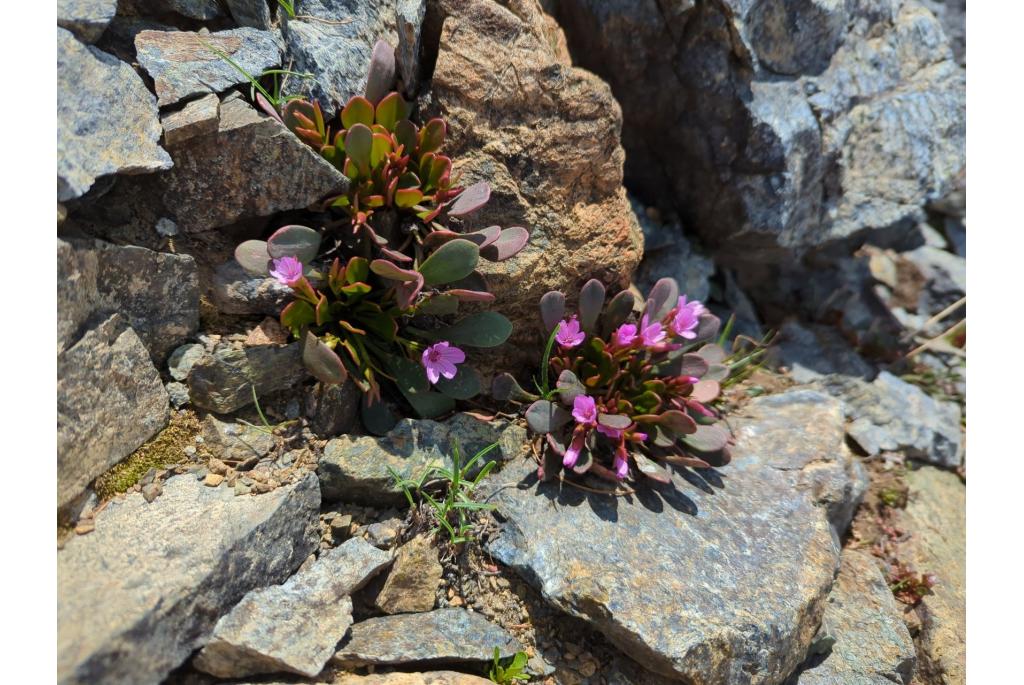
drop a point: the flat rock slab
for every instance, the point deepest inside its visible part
(235, 442)
(891, 415)
(87, 19)
(106, 119)
(872, 644)
(719, 577)
(935, 519)
(197, 118)
(184, 64)
(236, 172)
(353, 468)
(237, 292)
(156, 292)
(440, 636)
(333, 39)
(110, 400)
(224, 380)
(294, 627)
(145, 588)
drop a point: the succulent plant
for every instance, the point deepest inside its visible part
(369, 319)
(402, 188)
(630, 390)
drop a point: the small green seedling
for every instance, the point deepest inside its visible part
(512, 671)
(288, 7)
(452, 508)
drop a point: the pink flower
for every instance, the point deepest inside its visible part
(651, 334)
(287, 270)
(440, 359)
(687, 318)
(625, 335)
(584, 410)
(569, 333)
(621, 462)
(573, 452)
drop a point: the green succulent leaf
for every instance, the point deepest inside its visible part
(359, 110)
(408, 197)
(651, 469)
(390, 110)
(712, 354)
(546, 417)
(432, 136)
(483, 329)
(407, 136)
(321, 360)
(452, 261)
(662, 298)
(552, 309)
(297, 315)
(440, 305)
(569, 387)
(465, 386)
(300, 242)
(252, 255)
(505, 387)
(358, 146)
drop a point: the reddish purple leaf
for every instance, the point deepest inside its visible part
(508, 244)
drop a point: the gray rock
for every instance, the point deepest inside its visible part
(87, 19)
(252, 13)
(382, 534)
(236, 292)
(197, 118)
(193, 9)
(106, 119)
(336, 51)
(776, 128)
(872, 645)
(443, 635)
(402, 678)
(953, 15)
(182, 66)
(409, 15)
(177, 393)
(945, 277)
(738, 562)
(166, 228)
(956, 233)
(183, 359)
(110, 400)
(353, 467)
(294, 627)
(235, 442)
(812, 351)
(667, 252)
(223, 381)
(236, 174)
(141, 592)
(156, 292)
(411, 585)
(332, 409)
(935, 521)
(891, 415)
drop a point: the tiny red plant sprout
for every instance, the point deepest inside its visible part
(631, 392)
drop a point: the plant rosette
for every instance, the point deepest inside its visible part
(633, 389)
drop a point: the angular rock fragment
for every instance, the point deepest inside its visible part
(871, 642)
(428, 678)
(106, 119)
(294, 627)
(192, 9)
(224, 380)
(237, 292)
(110, 400)
(738, 562)
(170, 568)
(439, 636)
(235, 442)
(251, 167)
(87, 19)
(197, 118)
(252, 13)
(412, 583)
(184, 64)
(353, 467)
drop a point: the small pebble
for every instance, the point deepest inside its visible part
(218, 467)
(151, 491)
(190, 451)
(242, 489)
(84, 527)
(213, 480)
(588, 668)
(202, 472)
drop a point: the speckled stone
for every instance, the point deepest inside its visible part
(935, 520)
(235, 442)
(442, 635)
(237, 292)
(87, 19)
(182, 65)
(145, 588)
(353, 467)
(223, 381)
(106, 119)
(412, 584)
(721, 577)
(197, 118)
(872, 644)
(235, 173)
(294, 627)
(890, 414)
